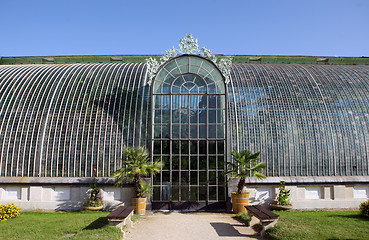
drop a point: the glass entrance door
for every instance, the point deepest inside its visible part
(189, 138)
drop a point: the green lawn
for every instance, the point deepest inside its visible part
(320, 225)
(55, 225)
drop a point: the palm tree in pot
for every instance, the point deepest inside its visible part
(245, 164)
(136, 166)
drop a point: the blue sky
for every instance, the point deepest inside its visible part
(88, 27)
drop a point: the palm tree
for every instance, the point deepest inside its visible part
(245, 164)
(137, 165)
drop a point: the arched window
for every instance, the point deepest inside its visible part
(188, 133)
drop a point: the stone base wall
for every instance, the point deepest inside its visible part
(60, 194)
(70, 193)
(309, 192)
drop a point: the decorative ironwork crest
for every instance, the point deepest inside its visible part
(189, 45)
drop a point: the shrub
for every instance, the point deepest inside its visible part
(8, 211)
(364, 208)
(244, 217)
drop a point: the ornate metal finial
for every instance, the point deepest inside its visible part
(189, 45)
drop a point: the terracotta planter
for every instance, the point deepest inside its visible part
(239, 201)
(280, 207)
(93, 208)
(140, 204)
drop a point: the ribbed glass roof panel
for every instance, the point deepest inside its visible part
(64, 120)
(307, 120)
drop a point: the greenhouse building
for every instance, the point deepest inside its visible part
(62, 117)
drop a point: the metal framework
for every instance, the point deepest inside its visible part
(64, 120)
(189, 122)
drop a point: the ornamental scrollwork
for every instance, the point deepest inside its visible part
(189, 45)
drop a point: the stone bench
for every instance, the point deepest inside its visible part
(121, 216)
(259, 214)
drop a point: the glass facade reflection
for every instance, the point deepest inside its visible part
(189, 131)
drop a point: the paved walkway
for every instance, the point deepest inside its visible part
(188, 226)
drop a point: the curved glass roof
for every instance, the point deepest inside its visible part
(66, 119)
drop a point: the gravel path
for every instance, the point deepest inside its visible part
(178, 226)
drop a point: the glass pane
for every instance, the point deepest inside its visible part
(184, 163)
(156, 193)
(193, 193)
(185, 191)
(165, 147)
(157, 147)
(157, 117)
(193, 147)
(176, 89)
(166, 162)
(221, 193)
(193, 116)
(189, 78)
(194, 101)
(212, 101)
(220, 131)
(211, 88)
(165, 131)
(178, 82)
(220, 145)
(193, 132)
(165, 116)
(165, 103)
(166, 176)
(175, 177)
(166, 191)
(202, 89)
(184, 147)
(203, 103)
(194, 90)
(212, 178)
(175, 193)
(175, 131)
(202, 147)
(175, 116)
(212, 162)
(212, 131)
(193, 164)
(184, 116)
(185, 178)
(212, 147)
(175, 163)
(166, 88)
(221, 162)
(185, 90)
(175, 147)
(202, 132)
(202, 180)
(184, 131)
(202, 193)
(212, 193)
(168, 80)
(157, 99)
(200, 82)
(156, 179)
(175, 101)
(203, 116)
(157, 131)
(193, 178)
(221, 178)
(212, 116)
(202, 163)
(184, 101)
